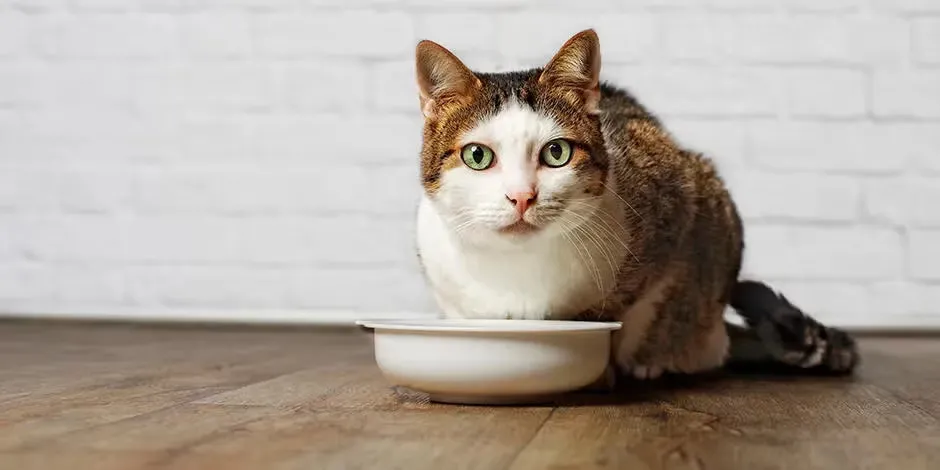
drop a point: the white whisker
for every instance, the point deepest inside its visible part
(622, 199)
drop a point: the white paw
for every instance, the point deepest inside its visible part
(646, 372)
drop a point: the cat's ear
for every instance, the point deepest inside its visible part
(576, 67)
(442, 78)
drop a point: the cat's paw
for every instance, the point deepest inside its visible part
(798, 340)
(643, 372)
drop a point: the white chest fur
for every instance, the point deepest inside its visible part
(545, 277)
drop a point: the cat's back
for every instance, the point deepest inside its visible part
(678, 206)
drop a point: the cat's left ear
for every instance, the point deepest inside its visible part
(576, 68)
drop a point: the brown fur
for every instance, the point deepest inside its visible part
(685, 233)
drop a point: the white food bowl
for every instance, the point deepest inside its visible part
(491, 361)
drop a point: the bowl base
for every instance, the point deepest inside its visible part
(457, 399)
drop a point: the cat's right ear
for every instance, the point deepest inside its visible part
(442, 78)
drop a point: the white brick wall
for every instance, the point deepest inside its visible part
(256, 159)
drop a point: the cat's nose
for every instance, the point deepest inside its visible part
(522, 200)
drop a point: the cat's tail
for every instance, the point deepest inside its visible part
(779, 333)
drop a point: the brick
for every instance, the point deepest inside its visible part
(52, 191)
(825, 93)
(624, 37)
(339, 87)
(907, 6)
(459, 32)
(798, 196)
(389, 290)
(29, 190)
(770, 38)
(118, 36)
(7, 251)
(926, 33)
(89, 284)
(101, 5)
(921, 141)
(394, 86)
(924, 254)
(90, 136)
(80, 284)
(732, 5)
(85, 85)
(23, 282)
(91, 191)
(14, 35)
(831, 6)
(17, 137)
(341, 190)
(827, 253)
(180, 239)
(206, 286)
(903, 201)
(722, 141)
(890, 301)
(159, 86)
(913, 94)
(336, 240)
(38, 5)
(163, 6)
(251, 5)
(230, 86)
(342, 33)
(790, 39)
(9, 197)
(692, 37)
(822, 146)
(923, 299)
(882, 41)
(474, 3)
(216, 35)
(374, 138)
(68, 238)
(348, 3)
(216, 138)
(24, 84)
(689, 91)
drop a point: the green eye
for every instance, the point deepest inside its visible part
(476, 156)
(556, 153)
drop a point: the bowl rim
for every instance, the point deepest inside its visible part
(489, 325)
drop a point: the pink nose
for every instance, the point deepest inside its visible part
(522, 200)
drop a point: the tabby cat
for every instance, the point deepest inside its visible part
(551, 195)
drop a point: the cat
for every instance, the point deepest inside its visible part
(549, 194)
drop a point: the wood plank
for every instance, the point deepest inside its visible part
(442, 437)
(295, 389)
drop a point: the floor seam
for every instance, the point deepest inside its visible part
(532, 438)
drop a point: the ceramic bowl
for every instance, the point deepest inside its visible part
(491, 361)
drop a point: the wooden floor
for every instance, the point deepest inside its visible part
(125, 397)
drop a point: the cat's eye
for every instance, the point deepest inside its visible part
(556, 153)
(477, 156)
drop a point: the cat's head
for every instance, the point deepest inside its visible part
(513, 156)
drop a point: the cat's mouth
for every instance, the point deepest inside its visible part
(519, 227)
